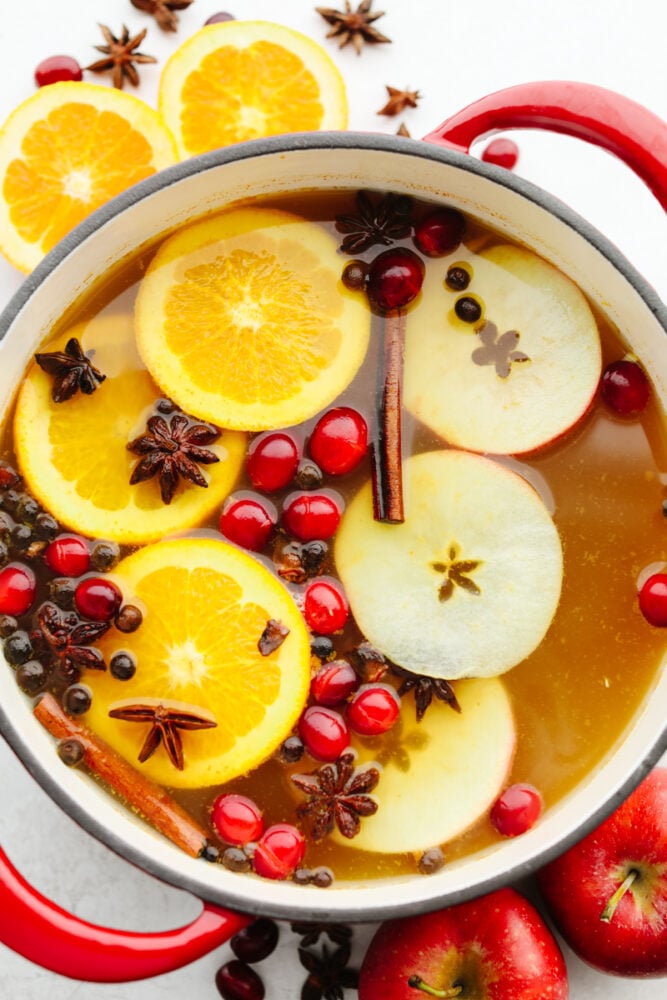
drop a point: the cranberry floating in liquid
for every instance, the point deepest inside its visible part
(395, 278)
(339, 440)
(440, 232)
(625, 387)
(516, 810)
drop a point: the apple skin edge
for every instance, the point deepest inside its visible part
(496, 947)
(580, 883)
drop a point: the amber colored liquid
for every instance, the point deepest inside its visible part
(577, 693)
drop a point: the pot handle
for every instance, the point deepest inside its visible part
(599, 116)
(44, 933)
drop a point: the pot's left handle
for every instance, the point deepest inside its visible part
(46, 934)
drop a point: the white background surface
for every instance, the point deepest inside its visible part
(453, 53)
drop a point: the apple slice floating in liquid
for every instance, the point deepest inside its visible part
(519, 376)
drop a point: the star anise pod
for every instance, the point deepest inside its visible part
(310, 932)
(425, 689)
(72, 370)
(162, 11)
(69, 640)
(328, 974)
(171, 450)
(165, 721)
(120, 56)
(337, 795)
(383, 223)
(399, 100)
(353, 26)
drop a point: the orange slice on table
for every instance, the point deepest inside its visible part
(64, 152)
(243, 319)
(206, 605)
(74, 454)
(245, 80)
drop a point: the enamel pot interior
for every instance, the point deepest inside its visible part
(335, 161)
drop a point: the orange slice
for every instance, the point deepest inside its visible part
(243, 319)
(64, 152)
(245, 80)
(205, 605)
(74, 455)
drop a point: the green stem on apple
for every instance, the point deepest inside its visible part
(613, 902)
(418, 983)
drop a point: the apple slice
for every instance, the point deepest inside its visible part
(519, 377)
(468, 585)
(448, 771)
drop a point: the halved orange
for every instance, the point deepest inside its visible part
(243, 319)
(245, 80)
(65, 151)
(206, 605)
(74, 454)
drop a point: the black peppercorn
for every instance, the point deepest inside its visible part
(71, 752)
(77, 699)
(128, 619)
(104, 555)
(355, 275)
(17, 648)
(61, 592)
(32, 677)
(457, 278)
(45, 527)
(468, 309)
(322, 647)
(122, 666)
(292, 750)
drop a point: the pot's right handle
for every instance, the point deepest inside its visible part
(600, 116)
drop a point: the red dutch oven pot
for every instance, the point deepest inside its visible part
(436, 168)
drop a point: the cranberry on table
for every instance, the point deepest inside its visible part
(395, 278)
(625, 387)
(272, 461)
(237, 819)
(17, 589)
(440, 232)
(334, 682)
(256, 941)
(237, 981)
(373, 710)
(68, 555)
(311, 516)
(54, 69)
(502, 153)
(279, 851)
(653, 599)
(324, 732)
(339, 440)
(248, 522)
(219, 18)
(97, 598)
(325, 606)
(516, 810)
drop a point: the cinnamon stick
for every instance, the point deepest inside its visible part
(141, 794)
(387, 447)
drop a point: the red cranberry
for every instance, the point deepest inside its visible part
(516, 810)
(339, 440)
(237, 981)
(373, 710)
(653, 600)
(67, 555)
(324, 732)
(273, 459)
(310, 516)
(97, 598)
(57, 68)
(395, 278)
(279, 851)
(248, 522)
(502, 153)
(219, 18)
(334, 682)
(237, 819)
(17, 589)
(325, 606)
(625, 387)
(255, 942)
(440, 232)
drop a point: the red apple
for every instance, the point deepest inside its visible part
(496, 947)
(608, 893)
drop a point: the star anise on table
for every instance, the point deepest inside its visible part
(310, 932)
(72, 371)
(165, 721)
(354, 26)
(120, 56)
(388, 220)
(425, 690)
(171, 449)
(163, 11)
(399, 100)
(69, 640)
(337, 796)
(328, 974)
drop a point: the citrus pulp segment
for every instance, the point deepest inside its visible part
(65, 151)
(242, 319)
(245, 80)
(468, 585)
(74, 454)
(206, 604)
